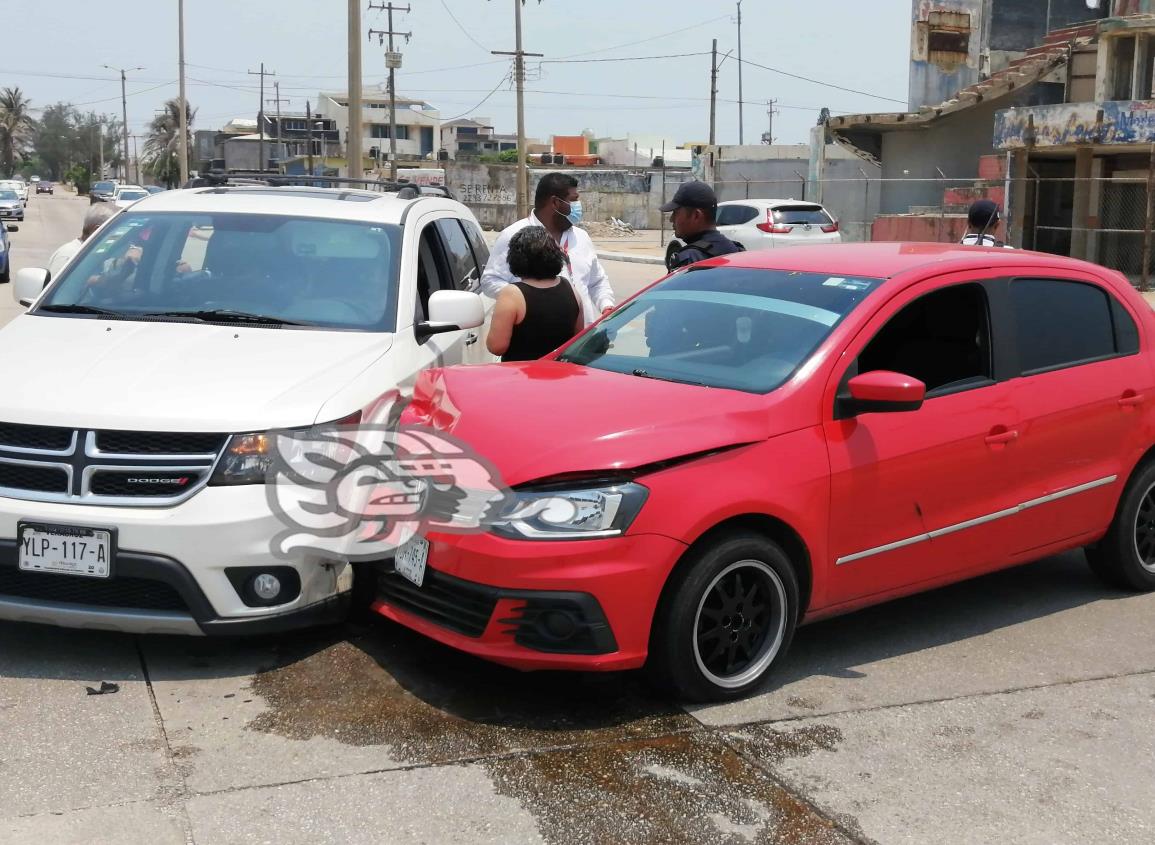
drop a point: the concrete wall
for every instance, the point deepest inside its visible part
(490, 191)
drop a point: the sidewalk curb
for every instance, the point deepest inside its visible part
(631, 259)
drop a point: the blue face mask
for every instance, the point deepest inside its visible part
(575, 212)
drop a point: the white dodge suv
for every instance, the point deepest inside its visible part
(140, 386)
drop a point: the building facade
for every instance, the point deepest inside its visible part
(418, 124)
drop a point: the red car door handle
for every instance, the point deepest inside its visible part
(1002, 437)
(1130, 399)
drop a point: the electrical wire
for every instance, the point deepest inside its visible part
(645, 40)
(503, 80)
(623, 59)
(820, 82)
(464, 31)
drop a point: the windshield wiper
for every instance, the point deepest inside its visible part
(73, 308)
(225, 315)
(647, 374)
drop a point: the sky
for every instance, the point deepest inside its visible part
(55, 53)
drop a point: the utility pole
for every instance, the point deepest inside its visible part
(182, 143)
(309, 126)
(278, 99)
(353, 146)
(262, 73)
(519, 55)
(768, 138)
(713, 89)
(124, 112)
(741, 137)
(100, 136)
(392, 61)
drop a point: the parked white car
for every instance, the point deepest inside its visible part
(140, 388)
(772, 224)
(126, 195)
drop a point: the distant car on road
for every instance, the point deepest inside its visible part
(5, 260)
(18, 186)
(11, 206)
(773, 224)
(34, 179)
(126, 195)
(102, 191)
(43, 187)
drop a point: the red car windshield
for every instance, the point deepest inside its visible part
(737, 328)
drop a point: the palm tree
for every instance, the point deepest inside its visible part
(162, 147)
(16, 125)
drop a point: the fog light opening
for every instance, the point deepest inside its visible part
(559, 624)
(265, 586)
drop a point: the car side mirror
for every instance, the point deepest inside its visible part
(451, 311)
(881, 392)
(28, 284)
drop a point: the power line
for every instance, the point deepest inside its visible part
(464, 31)
(820, 82)
(504, 79)
(647, 40)
(623, 59)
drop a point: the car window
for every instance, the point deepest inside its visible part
(801, 215)
(1061, 323)
(462, 264)
(738, 328)
(477, 241)
(325, 273)
(736, 215)
(8, 195)
(942, 339)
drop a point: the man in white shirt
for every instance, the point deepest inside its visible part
(557, 207)
(93, 220)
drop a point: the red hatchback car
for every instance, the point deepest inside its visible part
(771, 438)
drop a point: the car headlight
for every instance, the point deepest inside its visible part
(247, 458)
(581, 514)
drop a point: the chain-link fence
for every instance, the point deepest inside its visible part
(1105, 220)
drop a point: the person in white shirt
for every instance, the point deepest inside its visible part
(557, 207)
(982, 219)
(93, 220)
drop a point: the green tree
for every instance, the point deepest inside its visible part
(162, 147)
(56, 140)
(16, 126)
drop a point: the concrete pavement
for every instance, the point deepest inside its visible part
(1013, 708)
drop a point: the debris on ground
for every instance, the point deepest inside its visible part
(106, 688)
(612, 228)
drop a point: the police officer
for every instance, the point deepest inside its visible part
(982, 220)
(693, 212)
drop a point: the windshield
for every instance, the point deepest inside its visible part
(738, 328)
(8, 195)
(322, 273)
(131, 195)
(103, 186)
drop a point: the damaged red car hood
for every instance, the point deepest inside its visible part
(545, 418)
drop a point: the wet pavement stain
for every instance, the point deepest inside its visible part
(687, 788)
(429, 704)
(774, 746)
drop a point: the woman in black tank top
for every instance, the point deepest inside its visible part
(535, 316)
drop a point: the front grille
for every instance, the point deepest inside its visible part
(443, 600)
(158, 443)
(38, 479)
(143, 483)
(35, 437)
(125, 593)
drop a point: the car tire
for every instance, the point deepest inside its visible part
(703, 622)
(1125, 557)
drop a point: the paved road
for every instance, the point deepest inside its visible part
(49, 221)
(1015, 708)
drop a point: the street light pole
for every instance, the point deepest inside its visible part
(182, 143)
(519, 55)
(124, 115)
(356, 162)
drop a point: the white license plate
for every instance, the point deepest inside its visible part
(410, 560)
(67, 549)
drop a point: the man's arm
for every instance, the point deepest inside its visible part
(496, 274)
(601, 292)
(689, 255)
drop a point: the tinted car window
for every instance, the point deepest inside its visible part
(477, 241)
(800, 215)
(1061, 323)
(736, 215)
(462, 265)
